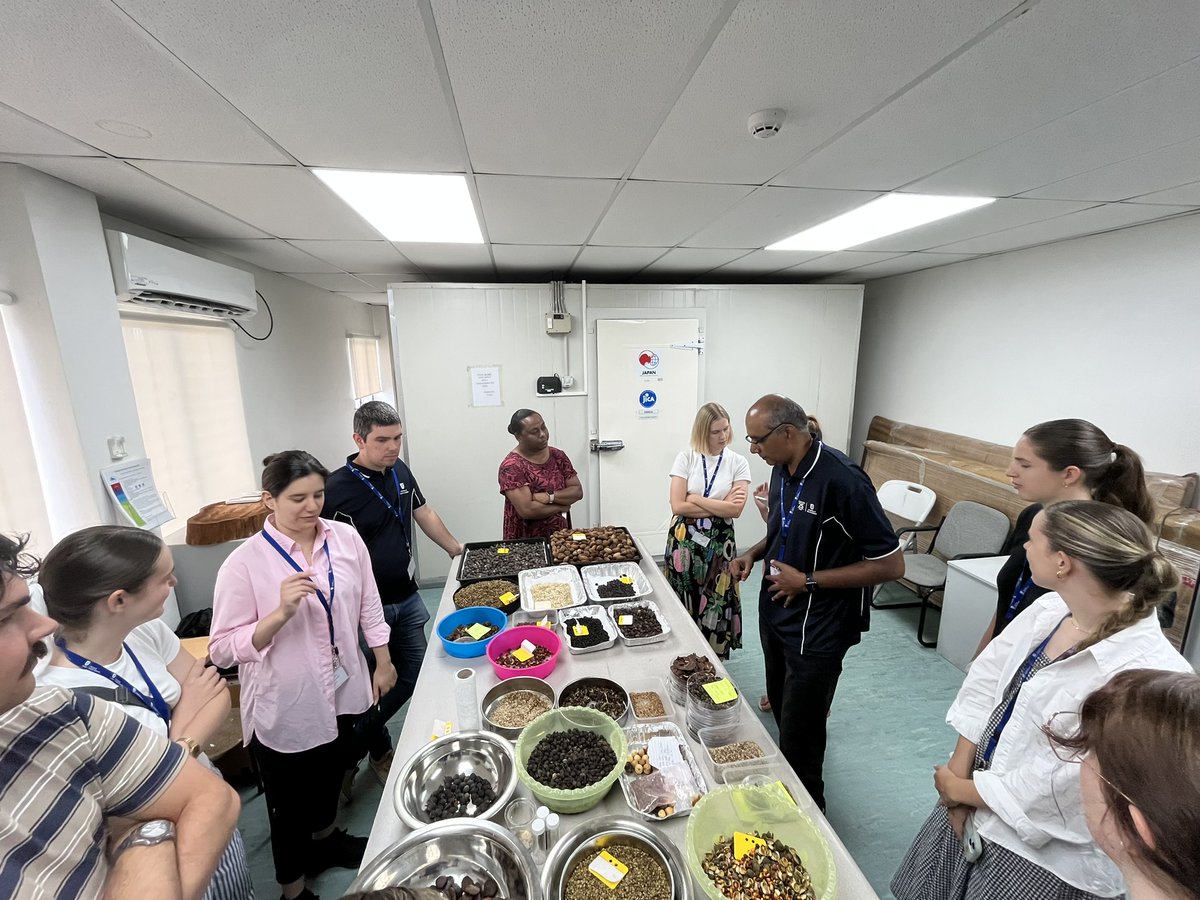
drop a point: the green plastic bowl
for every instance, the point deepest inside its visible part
(581, 799)
(747, 808)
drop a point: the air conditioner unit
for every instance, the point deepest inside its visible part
(158, 276)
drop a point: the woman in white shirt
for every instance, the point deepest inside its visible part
(708, 491)
(1004, 784)
(106, 586)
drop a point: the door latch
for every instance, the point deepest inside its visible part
(599, 446)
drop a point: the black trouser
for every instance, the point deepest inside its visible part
(302, 796)
(406, 645)
(800, 688)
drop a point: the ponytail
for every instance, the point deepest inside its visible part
(1123, 483)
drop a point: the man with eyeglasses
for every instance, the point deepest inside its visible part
(828, 543)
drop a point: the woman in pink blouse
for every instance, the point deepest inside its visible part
(538, 482)
(287, 608)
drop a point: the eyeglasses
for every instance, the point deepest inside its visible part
(755, 441)
(1069, 724)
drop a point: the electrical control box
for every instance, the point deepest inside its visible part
(558, 323)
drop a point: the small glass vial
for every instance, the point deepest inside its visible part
(543, 812)
(539, 840)
(552, 821)
(518, 816)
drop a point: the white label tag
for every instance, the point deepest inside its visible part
(700, 539)
(774, 570)
(528, 646)
(625, 620)
(663, 752)
(608, 869)
(340, 675)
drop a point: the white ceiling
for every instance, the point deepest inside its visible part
(608, 140)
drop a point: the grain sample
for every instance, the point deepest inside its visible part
(551, 595)
(518, 709)
(485, 593)
(645, 880)
(736, 752)
(647, 705)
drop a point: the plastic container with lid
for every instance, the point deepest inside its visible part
(703, 712)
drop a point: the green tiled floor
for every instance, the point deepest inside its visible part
(886, 733)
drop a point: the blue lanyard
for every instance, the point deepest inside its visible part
(1023, 585)
(785, 517)
(155, 701)
(708, 485)
(1026, 674)
(387, 503)
(326, 604)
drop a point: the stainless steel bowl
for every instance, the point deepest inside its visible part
(503, 689)
(463, 753)
(602, 682)
(456, 847)
(589, 838)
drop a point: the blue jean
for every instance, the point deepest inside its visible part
(407, 643)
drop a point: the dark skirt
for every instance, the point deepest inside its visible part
(934, 869)
(699, 574)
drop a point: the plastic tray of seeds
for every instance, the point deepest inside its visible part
(485, 560)
(614, 582)
(550, 588)
(534, 617)
(727, 747)
(587, 640)
(638, 622)
(650, 700)
(665, 791)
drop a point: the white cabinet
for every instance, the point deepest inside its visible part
(968, 604)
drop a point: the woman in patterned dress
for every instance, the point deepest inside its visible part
(708, 491)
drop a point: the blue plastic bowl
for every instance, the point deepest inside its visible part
(485, 615)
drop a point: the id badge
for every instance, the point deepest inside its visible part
(774, 570)
(340, 675)
(699, 539)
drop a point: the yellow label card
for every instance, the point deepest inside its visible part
(579, 536)
(608, 869)
(507, 597)
(745, 843)
(625, 620)
(477, 630)
(522, 655)
(544, 623)
(625, 579)
(721, 691)
(580, 631)
(501, 550)
(782, 788)
(440, 729)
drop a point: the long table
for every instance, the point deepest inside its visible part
(432, 700)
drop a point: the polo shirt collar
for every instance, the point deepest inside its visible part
(290, 544)
(370, 473)
(806, 463)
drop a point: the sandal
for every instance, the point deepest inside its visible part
(764, 703)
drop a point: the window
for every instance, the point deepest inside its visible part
(366, 378)
(189, 401)
(22, 507)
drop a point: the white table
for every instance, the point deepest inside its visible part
(432, 701)
(968, 604)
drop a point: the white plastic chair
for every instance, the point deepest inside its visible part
(910, 502)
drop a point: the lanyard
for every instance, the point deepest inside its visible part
(1025, 674)
(708, 485)
(1023, 585)
(387, 503)
(326, 604)
(155, 701)
(785, 517)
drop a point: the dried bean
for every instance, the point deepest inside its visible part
(446, 888)
(571, 759)
(540, 655)
(771, 870)
(485, 593)
(737, 752)
(645, 880)
(647, 705)
(598, 545)
(518, 709)
(459, 795)
(645, 623)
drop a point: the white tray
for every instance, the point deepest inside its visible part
(595, 612)
(638, 642)
(549, 574)
(594, 576)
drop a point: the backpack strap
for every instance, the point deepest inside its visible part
(118, 695)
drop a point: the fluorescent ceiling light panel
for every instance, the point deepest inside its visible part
(408, 207)
(883, 216)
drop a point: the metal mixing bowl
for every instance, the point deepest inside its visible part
(600, 682)
(463, 753)
(506, 687)
(456, 847)
(589, 838)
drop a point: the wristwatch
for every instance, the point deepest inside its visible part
(810, 584)
(189, 745)
(148, 834)
(550, 494)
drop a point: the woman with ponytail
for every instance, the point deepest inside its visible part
(1010, 820)
(1064, 459)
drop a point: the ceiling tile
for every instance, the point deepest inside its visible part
(974, 222)
(129, 193)
(824, 63)
(518, 258)
(831, 263)
(372, 299)
(1183, 195)
(332, 282)
(521, 210)
(371, 97)
(764, 262)
(1147, 116)
(658, 213)
(380, 280)
(1051, 60)
(467, 258)
(358, 256)
(1090, 221)
(271, 254)
(73, 65)
(616, 262)
(1131, 178)
(285, 201)
(771, 214)
(910, 262)
(583, 84)
(21, 134)
(690, 262)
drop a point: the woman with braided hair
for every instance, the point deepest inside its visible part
(1004, 790)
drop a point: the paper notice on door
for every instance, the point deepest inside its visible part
(485, 385)
(130, 486)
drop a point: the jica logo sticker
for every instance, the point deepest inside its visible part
(647, 399)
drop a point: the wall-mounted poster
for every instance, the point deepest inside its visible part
(1175, 612)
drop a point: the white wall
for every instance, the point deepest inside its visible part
(1101, 328)
(797, 340)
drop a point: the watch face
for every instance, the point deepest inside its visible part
(155, 829)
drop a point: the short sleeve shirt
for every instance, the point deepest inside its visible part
(388, 536)
(515, 472)
(68, 761)
(837, 521)
(724, 470)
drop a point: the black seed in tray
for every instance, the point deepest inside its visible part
(645, 623)
(615, 588)
(571, 759)
(459, 795)
(595, 632)
(487, 562)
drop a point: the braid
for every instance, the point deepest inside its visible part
(1158, 577)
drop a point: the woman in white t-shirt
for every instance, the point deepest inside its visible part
(708, 491)
(106, 587)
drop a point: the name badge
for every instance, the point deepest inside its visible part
(340, 675)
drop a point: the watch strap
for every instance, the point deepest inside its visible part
(144, 836)
(810, 583)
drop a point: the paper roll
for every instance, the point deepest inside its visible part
(466, 701)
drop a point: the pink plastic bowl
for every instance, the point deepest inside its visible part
(511, 638)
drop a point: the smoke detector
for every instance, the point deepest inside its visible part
(765, 123)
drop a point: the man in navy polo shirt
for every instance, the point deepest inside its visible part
(376, 493)
(828, 542)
